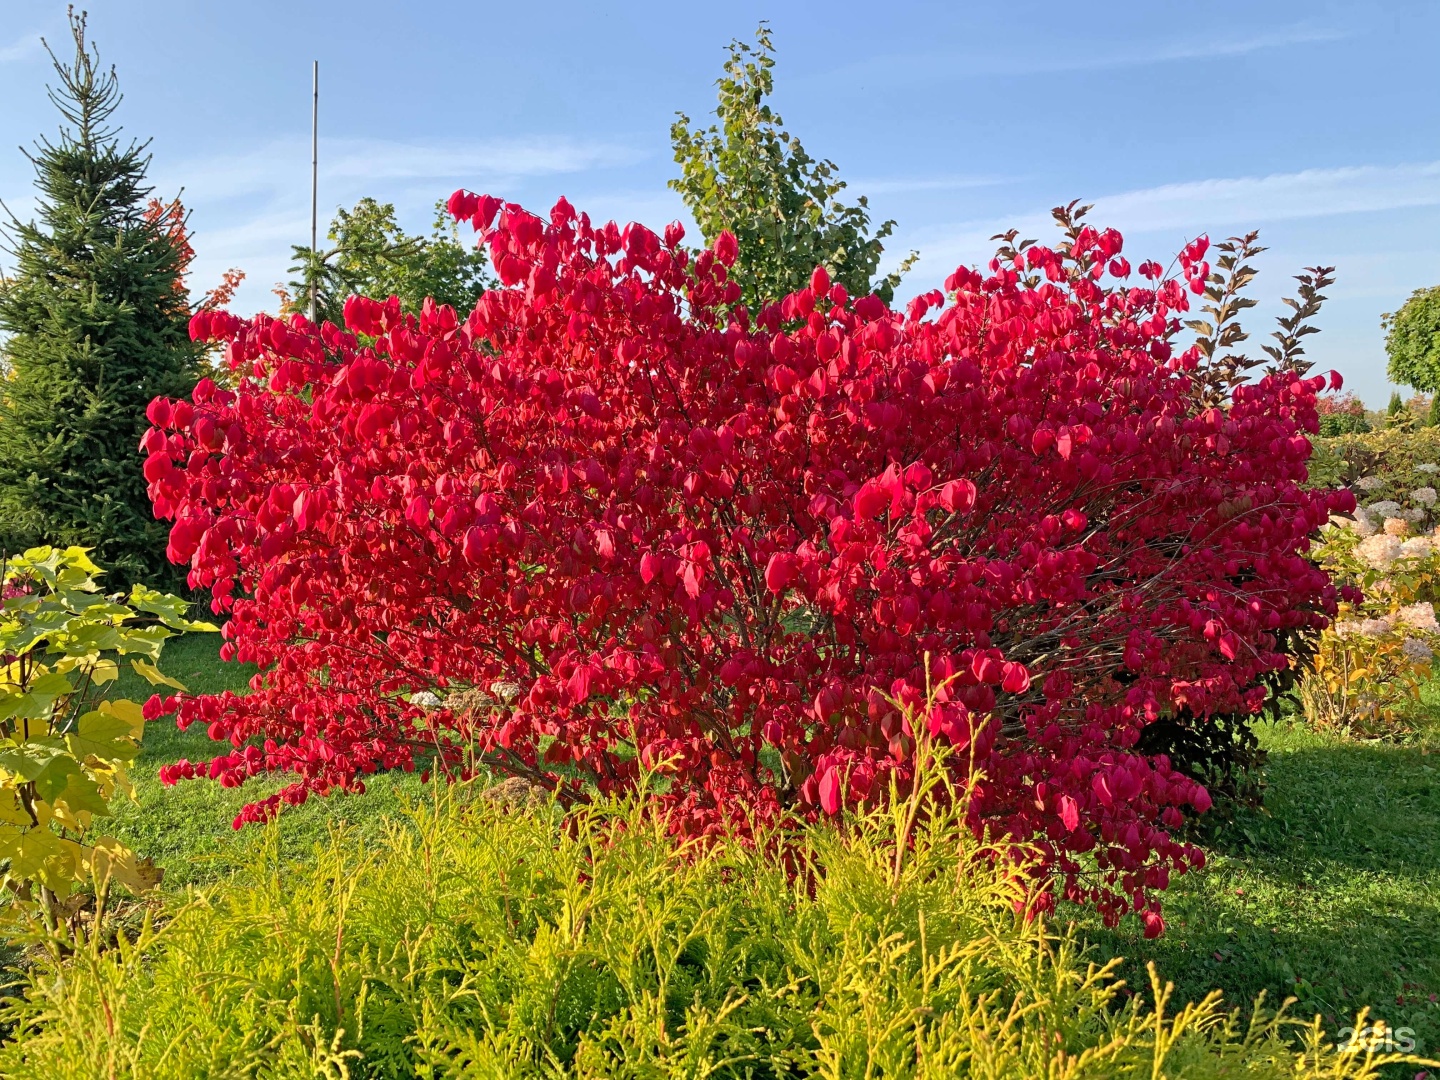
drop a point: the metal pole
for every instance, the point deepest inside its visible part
(314, 184)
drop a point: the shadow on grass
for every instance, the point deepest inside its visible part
(1332, 895)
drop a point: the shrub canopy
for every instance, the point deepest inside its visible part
(643, 527)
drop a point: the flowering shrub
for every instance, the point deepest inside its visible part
(611, 519)
(1368, 666)
(1393, 473)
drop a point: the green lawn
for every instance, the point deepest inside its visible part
(186, 828)
(1331, 895)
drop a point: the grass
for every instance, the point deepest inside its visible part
(1331, 895)
(186, 828)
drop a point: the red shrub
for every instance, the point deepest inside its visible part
(719, 544)
(1346, 404)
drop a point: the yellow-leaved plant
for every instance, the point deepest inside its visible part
(64, 743)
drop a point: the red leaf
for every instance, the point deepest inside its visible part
(1069, 813)
(830, 791)
(958, 496)
(780, 571)
(578, 684)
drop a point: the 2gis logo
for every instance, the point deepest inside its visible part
(1377, 1038)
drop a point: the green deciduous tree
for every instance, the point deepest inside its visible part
(1412, 340)
(94, 317)
(750, 176)
(372, 256)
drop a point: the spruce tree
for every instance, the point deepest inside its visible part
(94, 324)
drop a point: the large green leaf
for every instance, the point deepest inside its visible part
(29, 760)
(93, 637)
(38, 701)
(103, 735)
(63, 774)
(82, 794)
(28, 851)
(131, 712)
(168, 609)
(52, 684)
(147, 640)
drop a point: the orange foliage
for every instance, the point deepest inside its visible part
(171, 216)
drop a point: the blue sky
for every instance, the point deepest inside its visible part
(1316, 122)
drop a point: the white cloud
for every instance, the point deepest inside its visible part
(1078, 55)
(1215, 206)
(1299, 34)
(21, 48)
(348, 164)
(250, 204)
(1277, 197)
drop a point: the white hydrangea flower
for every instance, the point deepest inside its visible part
(1347, 627)
(1396, 526)
(505, 690)
(1362, 524)
(1424, 496)
(1384, 508)
(1419, 616)
(425, 699)
(1369, 483)
(1428, 467)
(1375, 628)
(1417, 547)
(1380, 550)
(1416, 650)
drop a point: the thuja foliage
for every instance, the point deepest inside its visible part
(94, 319)
(748, 176)
(1412, 341)
(372, 256)
(475, 941)
(612, 520)
(64, 741)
